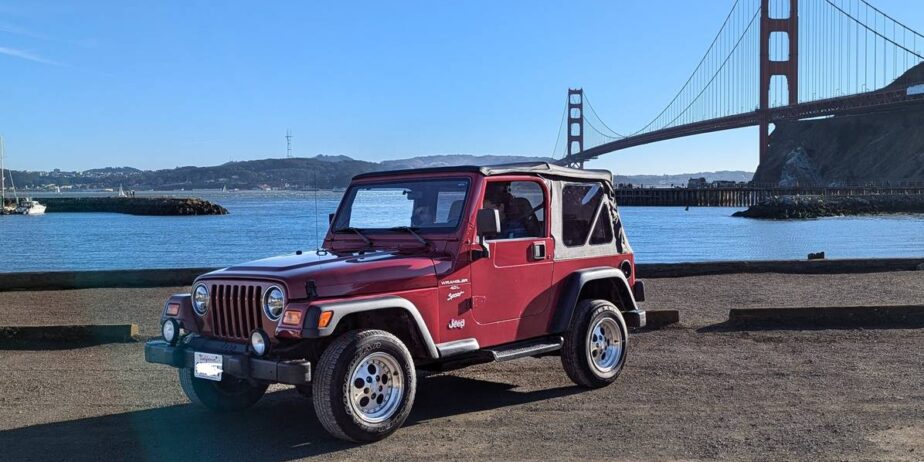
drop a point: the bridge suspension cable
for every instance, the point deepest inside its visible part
(844, 48)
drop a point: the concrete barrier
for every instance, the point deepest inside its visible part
(59, 280)
(656, 319)
(837, 266)
(95, 334)
(911, 316)
(172, 277)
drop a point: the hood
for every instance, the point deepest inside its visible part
(337, 276)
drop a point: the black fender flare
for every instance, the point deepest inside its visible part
(568, 298)
(344, 308)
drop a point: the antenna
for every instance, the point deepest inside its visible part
(2, 180)
(288, 144)
(317, 228)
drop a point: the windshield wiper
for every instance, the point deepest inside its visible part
(413, 232)
(358, 232)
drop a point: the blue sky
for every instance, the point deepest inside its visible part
(164, 84)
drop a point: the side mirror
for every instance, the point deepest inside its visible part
(487, 222)
(330, 218)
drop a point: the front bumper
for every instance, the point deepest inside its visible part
(240, 365)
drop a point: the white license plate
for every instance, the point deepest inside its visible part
(207, 366)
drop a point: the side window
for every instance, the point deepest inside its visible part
(603, 231)
(521, 205)
(579, 206)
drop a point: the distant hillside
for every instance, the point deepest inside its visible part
(298, 173)
(681, 179)
(849, 149)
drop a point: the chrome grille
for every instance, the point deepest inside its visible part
(236, 310)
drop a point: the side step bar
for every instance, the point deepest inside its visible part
(528, 348)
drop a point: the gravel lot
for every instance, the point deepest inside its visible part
(688, 392)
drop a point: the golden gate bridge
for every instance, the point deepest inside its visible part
(771, 60)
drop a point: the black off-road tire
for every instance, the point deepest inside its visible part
(332, 385)
(229, 395)
(575, 355)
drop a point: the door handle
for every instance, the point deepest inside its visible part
(539, 251)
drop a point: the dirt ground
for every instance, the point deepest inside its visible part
(695, 391)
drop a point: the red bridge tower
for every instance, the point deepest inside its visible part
(788, 68)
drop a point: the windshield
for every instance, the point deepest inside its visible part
(424, 205)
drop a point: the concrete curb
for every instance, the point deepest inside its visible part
(839, 266)
(63, 280)
(656, 319)
(829, 317)
(91, 333)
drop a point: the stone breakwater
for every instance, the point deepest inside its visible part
(159, 206)
(789, 207)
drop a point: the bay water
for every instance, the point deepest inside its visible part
(268, 223)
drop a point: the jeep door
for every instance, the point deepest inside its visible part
(513, 282)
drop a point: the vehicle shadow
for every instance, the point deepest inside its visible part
(281, 427)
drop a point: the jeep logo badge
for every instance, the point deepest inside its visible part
(456, 323)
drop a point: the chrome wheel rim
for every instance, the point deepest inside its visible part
(605, 345)
(376, 387)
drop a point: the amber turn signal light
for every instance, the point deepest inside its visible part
(292, 318)
(173, 309)
(325, 318)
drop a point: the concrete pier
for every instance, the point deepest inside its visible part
(743, 196)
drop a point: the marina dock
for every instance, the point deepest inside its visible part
(744, 196)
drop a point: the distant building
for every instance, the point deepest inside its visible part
(724, 184)
(697, 183)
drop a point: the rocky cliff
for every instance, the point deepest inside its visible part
(849, 149)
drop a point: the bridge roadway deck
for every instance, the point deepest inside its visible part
(882, 100)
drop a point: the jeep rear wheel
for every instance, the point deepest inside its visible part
(228, 395)
(595, 347)
(365, 386)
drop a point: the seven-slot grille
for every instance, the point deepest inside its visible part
(236, 310)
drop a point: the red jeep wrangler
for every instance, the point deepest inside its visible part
(430, 269)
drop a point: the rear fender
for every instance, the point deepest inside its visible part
(571, 293)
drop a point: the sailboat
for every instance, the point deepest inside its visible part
(122, 192)
(27, 206)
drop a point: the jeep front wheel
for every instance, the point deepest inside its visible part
(595, 347)
(228, 395)
(365, 386)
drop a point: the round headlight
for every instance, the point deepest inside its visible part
(259, 342)
(201, 299)
(273, 303)
(170, 331)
